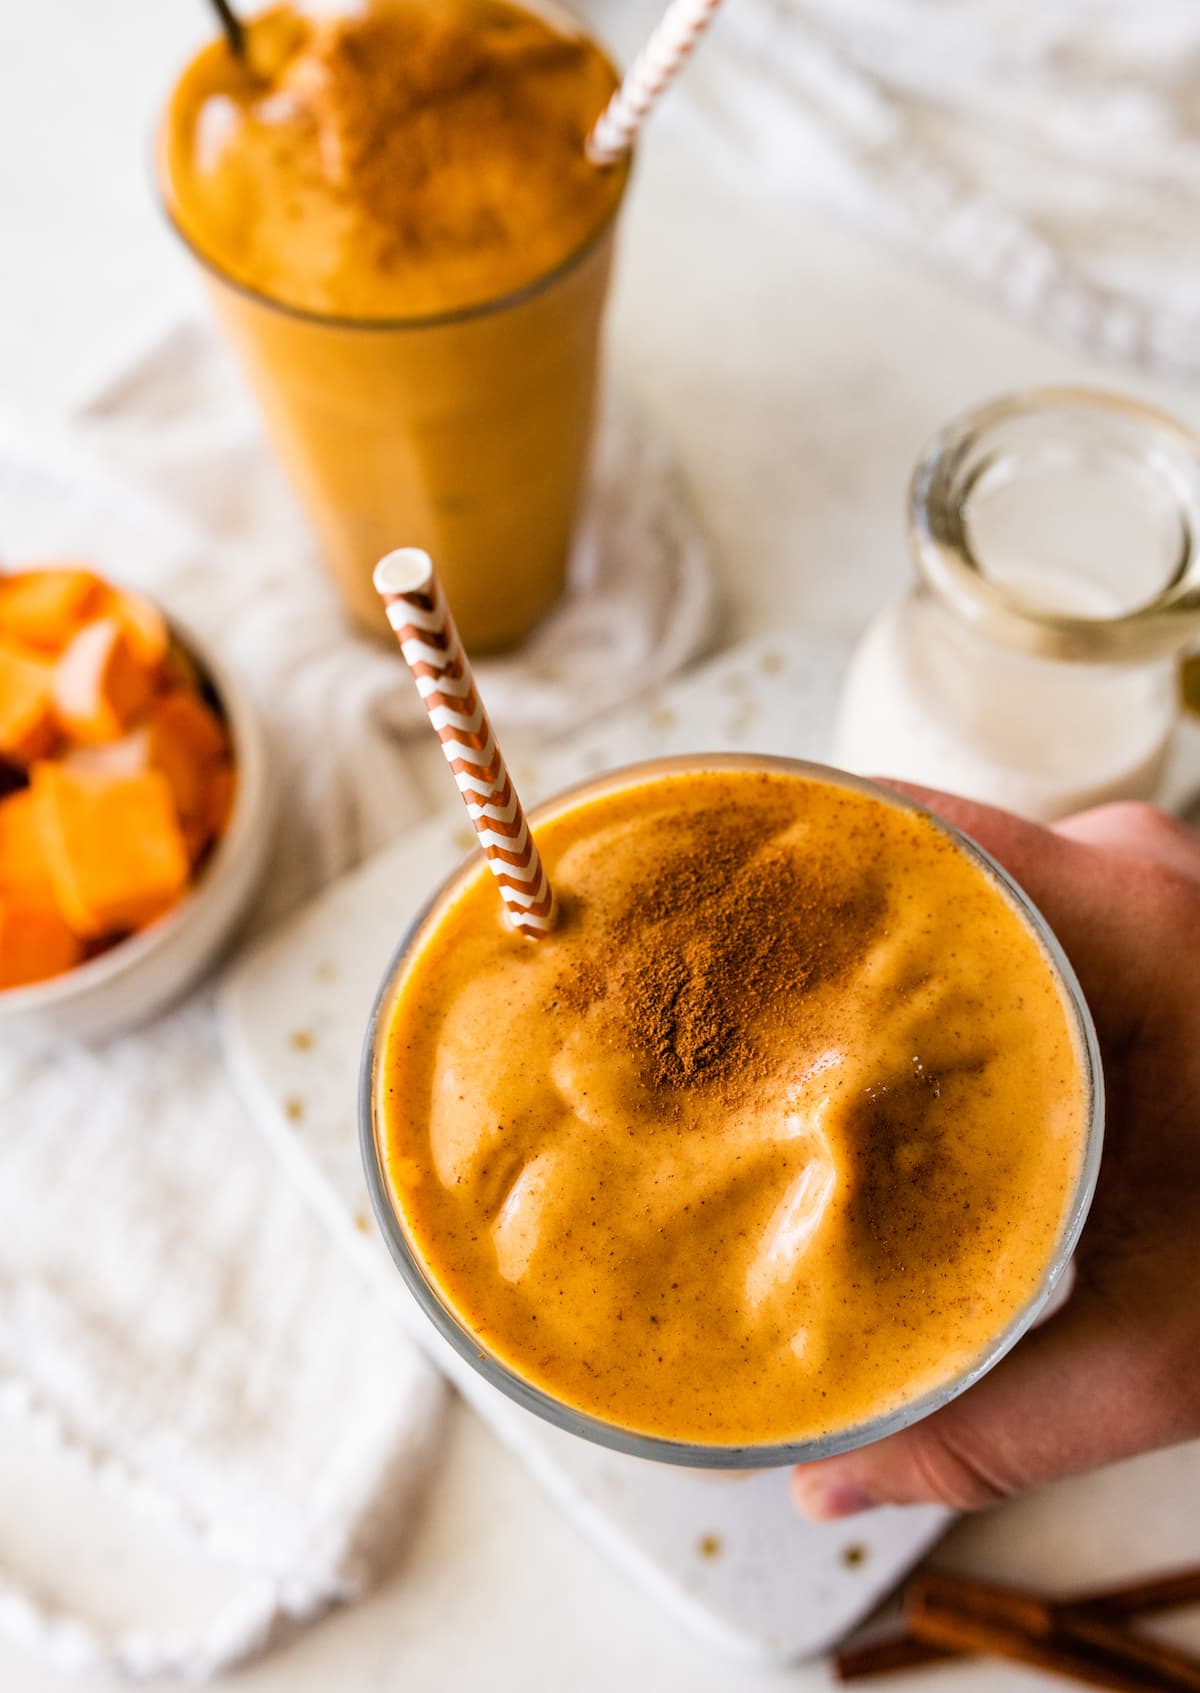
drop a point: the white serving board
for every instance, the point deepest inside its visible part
(727, 1553)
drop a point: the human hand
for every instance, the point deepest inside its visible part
(1117, 1371)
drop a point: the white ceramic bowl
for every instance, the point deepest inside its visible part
(143, 974)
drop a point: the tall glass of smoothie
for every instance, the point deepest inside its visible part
(778, 1141)
(409, 251)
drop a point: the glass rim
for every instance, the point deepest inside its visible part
(493, 307)
(660, 1448)
(947, 470)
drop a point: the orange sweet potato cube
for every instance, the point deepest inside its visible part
(27, 724)
(24, 877)
(211, 821)
(222, 790)
(44, 608)
(113, 844)
(186, 716)
(150, 745)
(184, 772)
(144, 625)
(179, 669)
(33, 944)
(100, 683)
(128, 755)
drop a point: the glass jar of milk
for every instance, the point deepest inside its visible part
(1034, 664)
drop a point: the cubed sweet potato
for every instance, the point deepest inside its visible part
(187, 717)
(100, 683)
(179, 670)
(143, 623)
(113, 845)
(23, 873)
(27, 723)
(151, 744)
(209, 823)
(34, 944)
(44, 608)
(221, 792)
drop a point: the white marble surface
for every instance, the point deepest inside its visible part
(797, 370)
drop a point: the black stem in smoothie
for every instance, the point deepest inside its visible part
(235, 30)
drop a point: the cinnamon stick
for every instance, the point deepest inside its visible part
(1142, 1597)
(887, 1654)
(958, 1611)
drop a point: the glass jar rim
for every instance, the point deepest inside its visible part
(950, 467)
(659, 1448)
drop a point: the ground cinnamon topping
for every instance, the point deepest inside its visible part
(725, 923)
(425, 120)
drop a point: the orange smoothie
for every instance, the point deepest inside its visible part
(410, 252)
(777, 1132)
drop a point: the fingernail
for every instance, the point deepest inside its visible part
(841, 1499)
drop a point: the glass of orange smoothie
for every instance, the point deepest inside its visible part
(409, 252)
(778, 1142)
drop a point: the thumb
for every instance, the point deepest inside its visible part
(1080, 1392)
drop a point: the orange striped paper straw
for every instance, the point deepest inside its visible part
(660, 60)
(416, 609)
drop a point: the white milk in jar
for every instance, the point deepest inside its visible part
(1034, 663)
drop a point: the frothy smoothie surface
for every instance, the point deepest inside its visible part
(778, 1130)
(391, 159)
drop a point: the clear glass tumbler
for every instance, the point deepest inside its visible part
(695, 1456)
(466, 433)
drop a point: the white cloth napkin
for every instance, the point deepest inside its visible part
(1046, 154)
(171, 1315)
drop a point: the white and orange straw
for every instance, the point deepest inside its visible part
(617, 127)
(416, 609)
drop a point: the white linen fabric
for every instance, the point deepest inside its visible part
(171, 1314)
(1046, 154)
